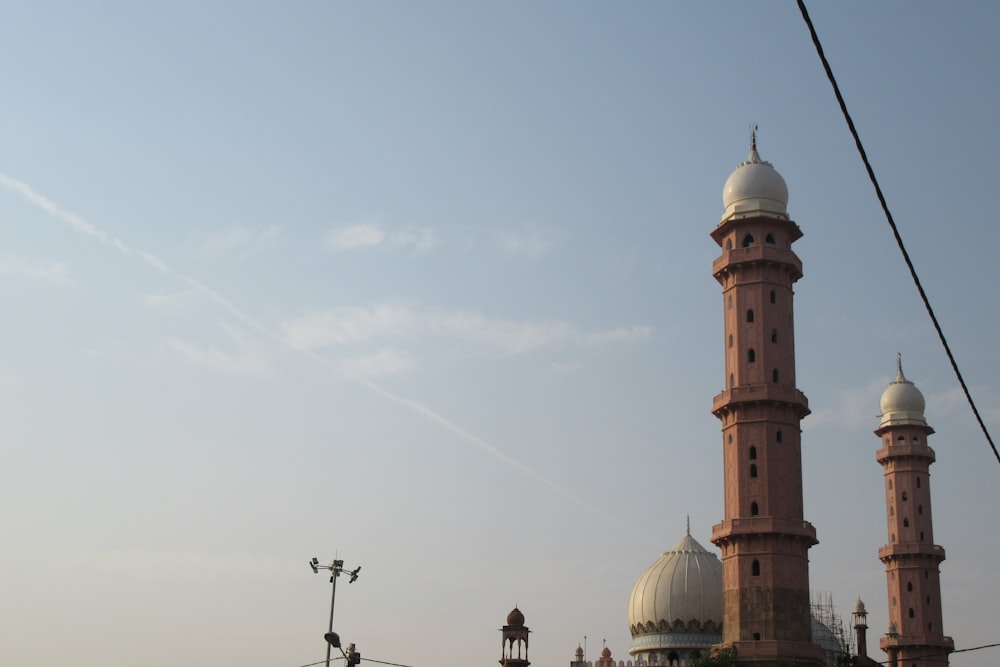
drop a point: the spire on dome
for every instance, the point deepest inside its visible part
(754, 156)
(900, 378)
(687, 530)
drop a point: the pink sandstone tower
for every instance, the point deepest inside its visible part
(764, 539)
(916, 636)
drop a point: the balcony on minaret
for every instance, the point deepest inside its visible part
(757, 253)
(759, 525)
(911, 549)
(906, 449)
(760, 393)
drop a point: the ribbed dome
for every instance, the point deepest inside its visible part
(684, 584)
(755, 188)
(515, 617)
(902, 403)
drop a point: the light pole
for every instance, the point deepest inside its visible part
(336, 567)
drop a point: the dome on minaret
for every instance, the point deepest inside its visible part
(684, 584)
(755, 188)
(902, 403)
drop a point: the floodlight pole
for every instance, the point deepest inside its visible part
(335, 568)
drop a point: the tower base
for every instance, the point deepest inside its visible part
(769, 652)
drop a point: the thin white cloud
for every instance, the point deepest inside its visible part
(243, 363)
(419, 240)
(246, 359)
(349, 325)
(510, 337)
(385, 362)
(531, 241)
(84, 227)
(167, 302)
(48, 271)
(240, 238)
(363, 235)
(343, 326)
(371, 234)
(855, 407)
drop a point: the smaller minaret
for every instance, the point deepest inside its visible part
(912, 560)
(515, 633)
(578, 658)
(860, 618)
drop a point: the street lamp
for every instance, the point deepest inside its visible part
(335, 568)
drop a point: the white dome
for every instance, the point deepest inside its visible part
(684, 584)
(902, 403)
(755, 188)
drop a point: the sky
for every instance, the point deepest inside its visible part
(427, 287)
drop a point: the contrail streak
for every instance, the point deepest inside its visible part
(82, 226)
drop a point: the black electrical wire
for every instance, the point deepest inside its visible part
(892, 224)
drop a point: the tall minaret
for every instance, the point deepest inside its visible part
(911, 558)
(764, 539)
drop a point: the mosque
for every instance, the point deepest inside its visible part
(756, 599)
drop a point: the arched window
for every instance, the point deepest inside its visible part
(730, 340)
(920, 509)
(892, 511)
(753, 453)
(910, 613)
(732, 382)
(729, 244)
(909, 586)
(774, 335)
(928, 599)
(753, 469)
(774, 375)
(751, 355)
(903, 496)
(730, 438)
(901, 438)
(890, 484)
(755, 568)
(754, 509)
(906, 523)
(921, 536)
(769, 240)
(750, 315)
(774, 297)
(730, 301)
(747, 241)
(918, 482)
(779, 437)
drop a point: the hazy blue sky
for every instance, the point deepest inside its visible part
(428, 286)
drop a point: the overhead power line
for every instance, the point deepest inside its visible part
(892, 224)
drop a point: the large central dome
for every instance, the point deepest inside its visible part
(680, 593)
